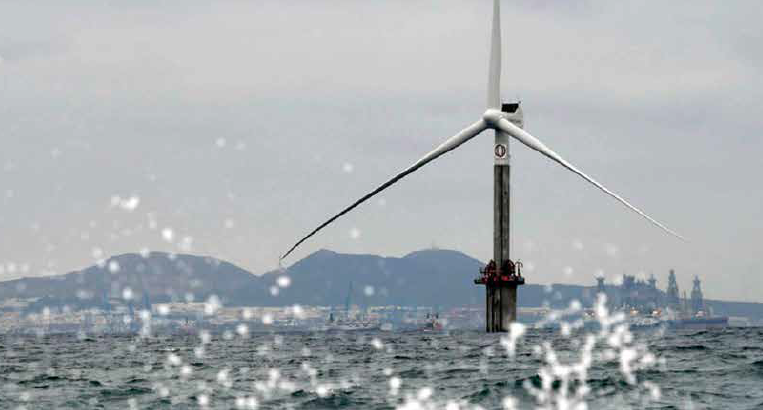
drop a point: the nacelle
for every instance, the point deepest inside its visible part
(513, 112)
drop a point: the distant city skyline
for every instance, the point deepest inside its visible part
(173, 129)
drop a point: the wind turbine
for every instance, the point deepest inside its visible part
(507, 122)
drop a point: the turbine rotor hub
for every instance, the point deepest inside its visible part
(492, 116)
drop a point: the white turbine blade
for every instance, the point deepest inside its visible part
(534, 143)
(494, 74)
(449, 145)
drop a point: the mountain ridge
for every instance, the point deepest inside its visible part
(428, 277)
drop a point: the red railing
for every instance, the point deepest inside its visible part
(491, 275)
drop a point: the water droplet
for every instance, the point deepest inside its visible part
(568, 271)
(174, 359)
(509, 403)
(298, 311)
(186, 244)
(283, 281)
(212, 305)
(395, 383)
(129, 204)
(168, 234)
(322, 391)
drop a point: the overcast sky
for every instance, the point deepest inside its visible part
(239, 126)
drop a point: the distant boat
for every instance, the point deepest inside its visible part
(187, 328)
(354, 326)
(432, 324)
(700, 322)
(347, 324)
(659, 319)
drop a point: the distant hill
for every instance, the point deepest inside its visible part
(423, 278)
(163, 277)
(439, 278)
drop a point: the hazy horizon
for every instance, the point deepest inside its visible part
(232, 129)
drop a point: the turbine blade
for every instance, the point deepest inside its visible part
(534, 143)
(449, 145)
(494, 74)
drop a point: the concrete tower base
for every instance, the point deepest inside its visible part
(501, 307)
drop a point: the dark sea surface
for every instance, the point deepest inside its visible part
(718, 369)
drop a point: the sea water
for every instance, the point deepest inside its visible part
(720, 368)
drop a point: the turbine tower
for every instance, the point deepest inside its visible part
(501, 276)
